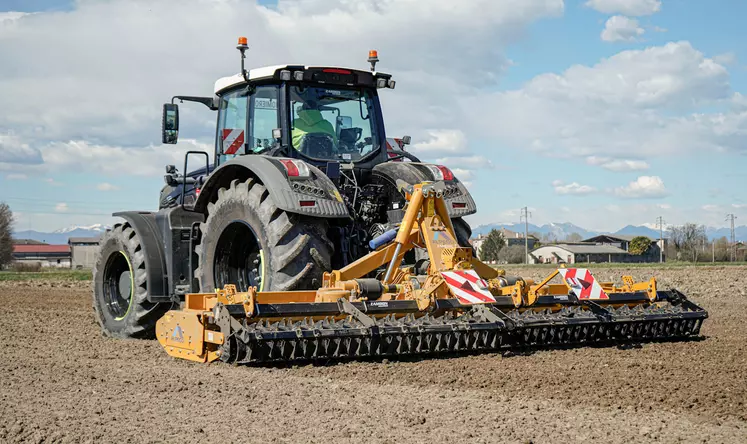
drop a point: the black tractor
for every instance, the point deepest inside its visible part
(303, 178)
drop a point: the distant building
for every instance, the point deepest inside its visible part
(55, 256)
(622, 242)
(511, 237)
(602, 248)
(514, 238)
(83, 251)
(572, 253)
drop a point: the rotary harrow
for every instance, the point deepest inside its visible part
(449, 303)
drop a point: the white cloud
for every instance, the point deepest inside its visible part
(463, 174)
(53, 182)
(61, 207)
(441, 141)
(16, 176)
(572, 188)
(619, 28)
(727, 58)
(632, 104)
(105, 186)
(626, 7)
(664, 206)
(14, 150)
(116, 129)
(618, 164)
(474, 161)
(7, 18)
(739, 205)
(643, 187)
(84, 156)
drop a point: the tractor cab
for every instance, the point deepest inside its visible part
(322, 115)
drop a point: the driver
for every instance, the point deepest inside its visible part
(310, 120)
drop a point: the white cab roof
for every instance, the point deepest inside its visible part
(260, 73)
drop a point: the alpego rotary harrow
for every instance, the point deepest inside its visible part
(450, 302)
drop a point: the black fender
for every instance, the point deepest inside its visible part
(144, 224)
(286, 193)
(459, 201)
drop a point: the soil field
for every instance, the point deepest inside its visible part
(61, 381)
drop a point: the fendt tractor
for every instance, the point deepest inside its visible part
(310, 235)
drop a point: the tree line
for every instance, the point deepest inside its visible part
(495, 249)
(6, 235)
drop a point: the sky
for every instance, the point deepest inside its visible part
(602, 113)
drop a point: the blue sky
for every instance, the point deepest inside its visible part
(602, 113)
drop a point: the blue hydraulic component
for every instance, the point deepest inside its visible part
(382, 239)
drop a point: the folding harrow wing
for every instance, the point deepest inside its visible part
(452, 302)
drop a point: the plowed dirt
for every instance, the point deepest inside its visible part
(62, 381)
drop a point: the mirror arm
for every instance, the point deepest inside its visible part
(210, 102)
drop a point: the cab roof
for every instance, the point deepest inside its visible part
(269, 72)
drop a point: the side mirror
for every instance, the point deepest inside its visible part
(170, 123)
(406, 140)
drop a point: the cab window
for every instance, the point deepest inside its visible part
(232, 126)
(263, 112)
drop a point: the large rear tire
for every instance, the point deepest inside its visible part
(120, 288)
(462, 230)
(249, 242)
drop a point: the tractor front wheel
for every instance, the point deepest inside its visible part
(249, 242)
(120, 287)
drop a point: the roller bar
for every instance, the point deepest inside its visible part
(478, 329)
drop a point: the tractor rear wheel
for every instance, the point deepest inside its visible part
(120, 287)
(249, 242)
(462, 230)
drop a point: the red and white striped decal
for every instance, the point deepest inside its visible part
(233, 139)
(467, 286)
(582, 283)
(392, 143)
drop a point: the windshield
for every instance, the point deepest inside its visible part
(332, 124)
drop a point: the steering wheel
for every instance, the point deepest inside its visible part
(318, 145)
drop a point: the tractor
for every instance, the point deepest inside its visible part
(302, 179)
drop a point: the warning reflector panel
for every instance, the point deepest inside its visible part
(582, 283)
(468, 287)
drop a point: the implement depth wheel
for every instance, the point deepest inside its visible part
(249, 242)
(120, 289)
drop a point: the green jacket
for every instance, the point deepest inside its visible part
(311, 121)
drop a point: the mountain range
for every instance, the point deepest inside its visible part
(560, 231)
(61, 236)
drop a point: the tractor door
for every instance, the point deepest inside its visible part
(263, 118)
(231, 138)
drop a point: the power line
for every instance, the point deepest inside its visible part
(660, 220)
(733, 240)
(525, 215)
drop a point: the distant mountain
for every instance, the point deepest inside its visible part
(100, 228)
(739, 232)
(639, 230)
(561, 231)
(60, 237)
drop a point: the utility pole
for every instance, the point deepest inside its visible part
(525, 215)
(660, 220)
(733, 240)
